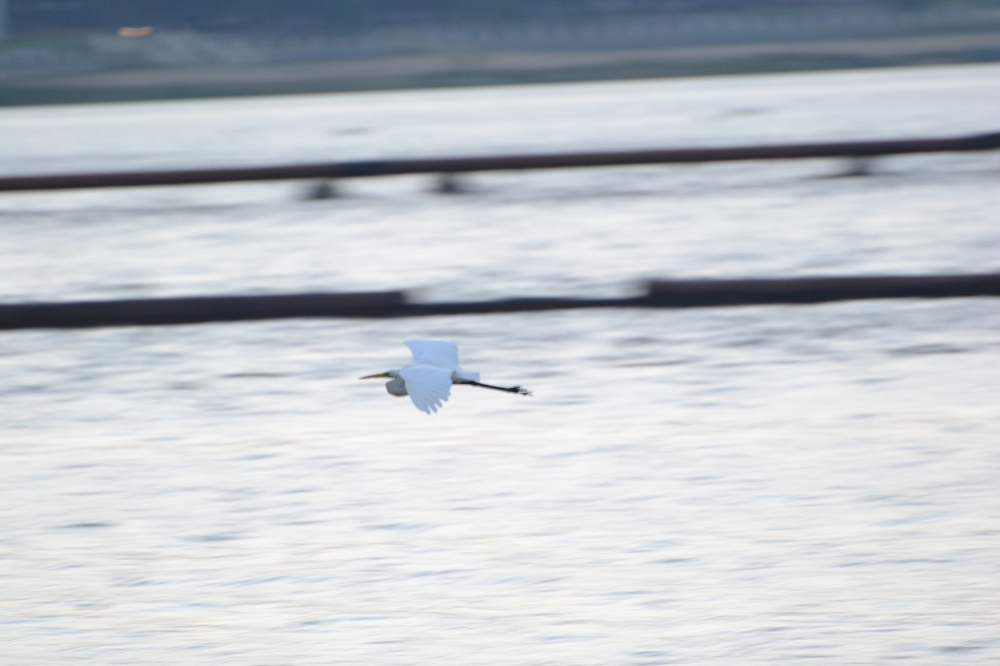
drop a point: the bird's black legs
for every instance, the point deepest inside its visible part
(513, 389)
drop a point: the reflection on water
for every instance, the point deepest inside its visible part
(765, 484)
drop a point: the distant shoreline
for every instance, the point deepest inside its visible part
(500, 68)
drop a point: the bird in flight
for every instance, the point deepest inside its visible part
(429, 376)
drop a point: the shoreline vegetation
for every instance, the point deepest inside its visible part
(497, 68)
(53, 53)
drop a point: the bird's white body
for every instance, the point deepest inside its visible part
(429, 376)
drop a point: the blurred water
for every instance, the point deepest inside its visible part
(777, 484)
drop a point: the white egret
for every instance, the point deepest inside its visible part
(429, 376)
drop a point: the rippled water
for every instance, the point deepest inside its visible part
(815, 484)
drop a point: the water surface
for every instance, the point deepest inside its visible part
(775, 484)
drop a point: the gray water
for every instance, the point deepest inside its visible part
(816, 484)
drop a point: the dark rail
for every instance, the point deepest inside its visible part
(196, 310)
(660, 294)
(333, 170)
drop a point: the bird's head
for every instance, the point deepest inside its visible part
(395, 386)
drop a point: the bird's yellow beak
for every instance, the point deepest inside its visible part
(381, 374)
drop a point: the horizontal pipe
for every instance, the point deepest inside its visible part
(702, 293)
(500, 163)
(660, 294)
(196, 310)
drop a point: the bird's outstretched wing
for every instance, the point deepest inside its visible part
(428, 386)
(440, 353)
